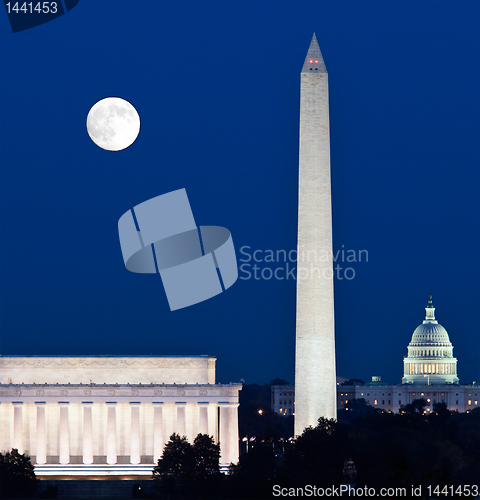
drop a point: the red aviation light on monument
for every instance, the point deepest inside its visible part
(315, 382)
(313, 62)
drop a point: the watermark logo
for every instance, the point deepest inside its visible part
(160, 236)
(25, 15)
(303, 264)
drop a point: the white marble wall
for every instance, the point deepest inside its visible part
(109, 370)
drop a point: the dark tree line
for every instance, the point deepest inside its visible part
(17, 477)
(388, 450)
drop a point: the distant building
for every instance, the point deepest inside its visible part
(391, 397)
(283, 398)
(430, 373)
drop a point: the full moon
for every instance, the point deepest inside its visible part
(113, 124)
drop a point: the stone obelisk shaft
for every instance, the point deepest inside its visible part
(315, 378)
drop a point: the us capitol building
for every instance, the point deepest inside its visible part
(429, 372)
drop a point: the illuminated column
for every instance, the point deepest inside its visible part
(233, 433)
(228, 433)
(203, 423)
(64, 442)
(111, 434)
(41, 436)
(181, 419)
(135, 433)
(18, 427)
(224, 452)
(158, 438)
(87, 434)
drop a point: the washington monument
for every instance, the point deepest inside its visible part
(315, 380)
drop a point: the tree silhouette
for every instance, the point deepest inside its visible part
(354, 409)
(416, 407)
(175, 469)
(207, 476)
(17, 477)
(185, 470)
(353, 381)
(253, 475)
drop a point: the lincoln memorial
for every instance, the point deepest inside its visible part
(111, 416)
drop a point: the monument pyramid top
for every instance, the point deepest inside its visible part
(314, 61)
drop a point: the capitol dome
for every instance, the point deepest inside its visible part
(430, 353)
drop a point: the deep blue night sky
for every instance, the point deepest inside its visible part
(216, 85)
